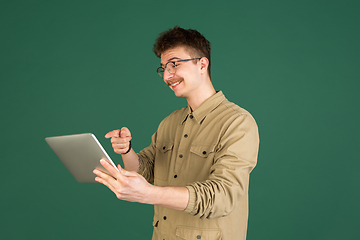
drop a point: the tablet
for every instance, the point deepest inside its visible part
(81, 154)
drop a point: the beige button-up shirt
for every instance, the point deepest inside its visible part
(211, 151)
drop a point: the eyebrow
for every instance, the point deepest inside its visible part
(170, 60)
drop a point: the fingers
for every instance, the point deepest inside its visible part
(114, 184)
(120, 148)
(114, 133)
(120, 139)
(128, 185)
(105, 180)
(126, 173)
(125, 132)
(111, 169)
(104, 176)
(111, 181)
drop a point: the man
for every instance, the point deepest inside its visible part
(199, 158)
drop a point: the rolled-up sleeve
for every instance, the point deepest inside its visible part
(147, 159)
(234, 159)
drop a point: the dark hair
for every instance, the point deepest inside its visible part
(197, 44)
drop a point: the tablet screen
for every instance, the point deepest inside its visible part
(81, 154)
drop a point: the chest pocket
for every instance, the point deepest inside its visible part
(201, 160)
(194, 233)
(202, 151)
(162, 160)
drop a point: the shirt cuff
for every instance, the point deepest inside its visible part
(192, 200)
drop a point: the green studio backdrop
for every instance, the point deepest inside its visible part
(72, 67)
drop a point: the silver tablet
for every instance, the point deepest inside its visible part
(81, 154)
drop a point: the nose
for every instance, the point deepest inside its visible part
(167, 75)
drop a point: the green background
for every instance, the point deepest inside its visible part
(72, 67)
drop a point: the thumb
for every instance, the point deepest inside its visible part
(125, 132)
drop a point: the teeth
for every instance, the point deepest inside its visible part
(174, 84)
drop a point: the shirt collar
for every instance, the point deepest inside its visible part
(205, 108)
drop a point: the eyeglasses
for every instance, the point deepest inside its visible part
(172, 66)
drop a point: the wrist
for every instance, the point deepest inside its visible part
(128, 149)
(154, 194)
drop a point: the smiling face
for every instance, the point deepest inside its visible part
(187, 79)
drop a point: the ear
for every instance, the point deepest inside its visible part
(204, 64)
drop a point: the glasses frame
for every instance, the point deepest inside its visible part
(161, 70)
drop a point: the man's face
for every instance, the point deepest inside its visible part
(185, 81)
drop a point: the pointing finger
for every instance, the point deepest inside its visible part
(114, 133)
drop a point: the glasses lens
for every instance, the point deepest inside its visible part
(170, 66)
(160, 71)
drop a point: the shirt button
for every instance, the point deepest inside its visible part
(180, 156)
(164, 148)
(175, 176)
(185, 136)
(165, 217)
(191, 116)
(204, 152)
(198, 237)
